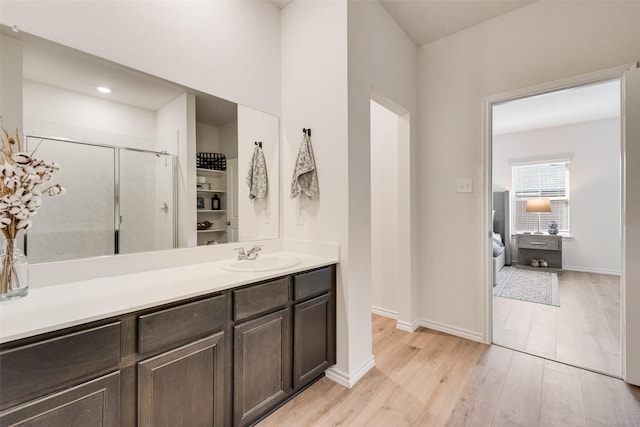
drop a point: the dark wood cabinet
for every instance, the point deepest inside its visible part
(183, 387)
(226, 358)
(95, 403)
(312, 340)
(31, 370)
(262, 365)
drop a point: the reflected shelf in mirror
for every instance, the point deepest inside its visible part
(202, 171)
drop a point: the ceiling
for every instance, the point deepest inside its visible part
(563, 107)
(427, 20)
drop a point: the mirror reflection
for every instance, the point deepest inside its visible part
(148, 164)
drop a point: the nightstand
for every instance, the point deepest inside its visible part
(540, 246)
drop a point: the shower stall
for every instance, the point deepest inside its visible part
(119, 200)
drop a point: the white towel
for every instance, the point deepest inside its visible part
(257, 175)
(305, 176)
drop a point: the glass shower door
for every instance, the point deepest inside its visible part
(79, 224)
(146, 202)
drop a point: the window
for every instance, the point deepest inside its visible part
(540, 180)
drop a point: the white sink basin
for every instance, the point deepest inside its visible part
(266, 263)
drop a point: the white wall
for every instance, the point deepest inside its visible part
(258, 219)
(327, 80)
(541, 42)
(177, 135)
(207, 138)
(227, 48)
(52, 111)
(384, 215)
(229, 139)
(594, 212)
(383, 67)
(314, 50)
(235, 55)
(10, 84)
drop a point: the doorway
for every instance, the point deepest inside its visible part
(390, 211)
(556, 215)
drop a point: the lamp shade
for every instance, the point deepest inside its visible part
(538, 205)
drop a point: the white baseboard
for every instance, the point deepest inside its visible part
(590, 270)
(406, 326)
(347, 380)
(384, 312)
(452, 330)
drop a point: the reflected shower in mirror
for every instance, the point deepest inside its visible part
(115, 204)
(127, 143)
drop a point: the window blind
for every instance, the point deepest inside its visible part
(540, 180)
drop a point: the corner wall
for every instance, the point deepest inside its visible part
(541, 42)
(382, 67)
(314, 95)
(328, 76)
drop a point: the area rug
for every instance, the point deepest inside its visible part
(527, 285)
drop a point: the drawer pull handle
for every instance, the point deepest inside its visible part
(537, 243)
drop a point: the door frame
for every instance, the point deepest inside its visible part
(487, 154)
(406, 306)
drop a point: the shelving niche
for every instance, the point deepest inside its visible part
(217, 183)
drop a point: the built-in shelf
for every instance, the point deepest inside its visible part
(202, 171)
(210, 191)
(214, 192)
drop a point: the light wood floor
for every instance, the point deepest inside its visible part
(433, 379)
(584, 331)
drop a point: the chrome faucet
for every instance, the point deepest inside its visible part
(250, 254)
(253, 252)
(241, 254)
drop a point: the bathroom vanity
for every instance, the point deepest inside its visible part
(227, 356)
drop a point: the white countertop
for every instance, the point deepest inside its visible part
(51, 308)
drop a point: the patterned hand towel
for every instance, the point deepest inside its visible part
(305, 176)
(257, 175)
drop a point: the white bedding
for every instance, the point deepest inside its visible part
(498, 259)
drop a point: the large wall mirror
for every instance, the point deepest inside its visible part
(148, 165)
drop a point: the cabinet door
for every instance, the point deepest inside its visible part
(95, 403)
(262, 365)
(311, 339)
(183, 387)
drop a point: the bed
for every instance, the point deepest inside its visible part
(501, 232)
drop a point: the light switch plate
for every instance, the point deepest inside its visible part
(465, 185)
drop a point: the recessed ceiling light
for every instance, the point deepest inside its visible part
(15, 29)
(103, 89)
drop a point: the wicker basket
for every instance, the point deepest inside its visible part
(215, 161)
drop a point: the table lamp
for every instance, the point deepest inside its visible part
(538, 206)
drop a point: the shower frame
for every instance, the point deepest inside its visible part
(116, 185)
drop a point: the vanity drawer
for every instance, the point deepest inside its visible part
(312, 283)
(26, 370)
(532, 241)
(260, 298)
(177, 325)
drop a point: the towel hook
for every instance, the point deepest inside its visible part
(258, 143)
(306, 131)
